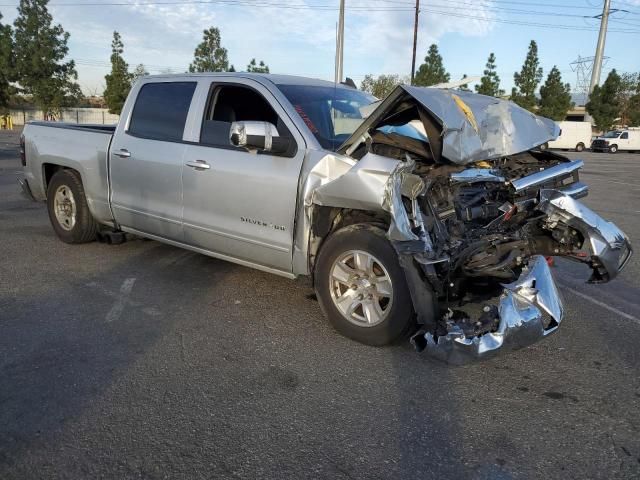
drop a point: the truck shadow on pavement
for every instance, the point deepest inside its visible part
(144, 359)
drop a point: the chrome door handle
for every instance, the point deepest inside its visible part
(199, 165)
(122, 153)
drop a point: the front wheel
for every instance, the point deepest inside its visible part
(543, 147)
(68, 209)
(613, 149)
(361, 287)
(580, 147)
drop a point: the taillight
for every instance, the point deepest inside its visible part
(23, 155)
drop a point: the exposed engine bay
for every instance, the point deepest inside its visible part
(482, 226)
(472, 229)
(483, 232)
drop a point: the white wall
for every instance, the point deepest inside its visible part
(70, 115)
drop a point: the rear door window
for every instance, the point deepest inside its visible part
(161, 109)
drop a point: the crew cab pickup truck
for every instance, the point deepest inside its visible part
(427, 215)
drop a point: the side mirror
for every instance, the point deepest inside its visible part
(258, 135)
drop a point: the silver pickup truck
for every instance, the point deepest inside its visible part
(428, 214)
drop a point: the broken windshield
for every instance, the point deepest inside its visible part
(331, 113)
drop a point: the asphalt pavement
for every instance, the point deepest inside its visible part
(147, 361)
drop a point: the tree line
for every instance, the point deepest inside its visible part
(34, 64)
(616, 101)
(209, 56)
(33, 60)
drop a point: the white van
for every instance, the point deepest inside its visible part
(625, 139)
(573, 135)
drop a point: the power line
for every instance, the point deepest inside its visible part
(485, 7)
(532, 24)
(550, 5)
(474, 6)
(401, 5)
(431, 9)
(260, 4)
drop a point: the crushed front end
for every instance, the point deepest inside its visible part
(526, 311)
(481, 243)
(472, 216)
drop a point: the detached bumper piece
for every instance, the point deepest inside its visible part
(608, 248)
(529, 309)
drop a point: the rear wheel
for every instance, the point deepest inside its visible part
(613, 149)
(68, 209)
(543, 147)
(580, 147)
(361, 286)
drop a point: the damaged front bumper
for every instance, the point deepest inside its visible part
(608, 248)
(529, 309)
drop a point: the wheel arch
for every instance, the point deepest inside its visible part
(326, 220)
(49, 170)
(96, 197)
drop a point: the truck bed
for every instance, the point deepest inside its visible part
(84, 148)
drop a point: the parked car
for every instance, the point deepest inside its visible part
(618, 140)
(438, 231)
(573, 136)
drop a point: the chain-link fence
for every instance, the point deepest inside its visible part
(68, 115)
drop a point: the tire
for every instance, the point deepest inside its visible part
(68, 209)
(543, 147)
(613, 148)
(580, 147)
(385, 313)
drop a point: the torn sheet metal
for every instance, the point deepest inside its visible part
(403, 183)
(376, 183)
(610, 248)
(529, 309)
(361, 187)
(472, 127)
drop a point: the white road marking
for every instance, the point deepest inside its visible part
(154, 312)
(121, 300)
(603, 305)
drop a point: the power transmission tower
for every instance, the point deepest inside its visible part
(583, 66)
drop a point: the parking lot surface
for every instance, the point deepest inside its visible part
(146, 361)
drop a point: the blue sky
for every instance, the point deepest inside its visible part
(294, 39)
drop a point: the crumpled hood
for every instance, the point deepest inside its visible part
(462, 127)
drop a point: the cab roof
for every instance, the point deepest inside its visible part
(276, 79)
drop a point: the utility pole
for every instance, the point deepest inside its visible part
(340, 44)
(415, 41)
(597, 63)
